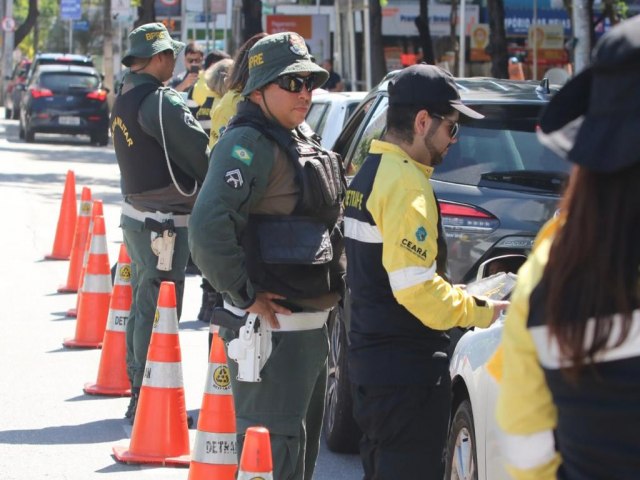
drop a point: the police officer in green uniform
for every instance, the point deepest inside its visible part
(162, 155)
(265, 232)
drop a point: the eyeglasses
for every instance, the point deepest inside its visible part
(455, 126)
(294, 83)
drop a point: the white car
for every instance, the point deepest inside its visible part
(329, 112)
(472, 445)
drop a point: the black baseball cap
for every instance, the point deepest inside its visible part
(428, 86)
(594, 120)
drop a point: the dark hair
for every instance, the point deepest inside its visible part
(193, 47)
(592, 271)
(240, 70)
(213, 57)
(400, 120)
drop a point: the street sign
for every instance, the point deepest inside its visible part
(8, 24)
(81, 26)
(70, 10)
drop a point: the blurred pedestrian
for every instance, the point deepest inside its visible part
(193, 59)
(400, 301)
(235, 84)
(265, 232)
(569, 401)
(161, 152)
(335, 83)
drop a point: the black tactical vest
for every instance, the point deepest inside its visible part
(203, 115)
(297, 255)
(141, 158)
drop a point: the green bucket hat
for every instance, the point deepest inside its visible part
(148, 40)
(277, 55)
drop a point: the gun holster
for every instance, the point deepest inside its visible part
(252, 348)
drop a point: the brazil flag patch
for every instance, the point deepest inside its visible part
(242, 154)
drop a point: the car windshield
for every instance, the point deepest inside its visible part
(502, 148)
(67, 82)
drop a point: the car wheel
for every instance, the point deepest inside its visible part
(340, 429)
(100, 138)
(461, 446)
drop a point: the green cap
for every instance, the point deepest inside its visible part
(148, 40)
(277, 55)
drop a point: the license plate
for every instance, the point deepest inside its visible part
(69, 120)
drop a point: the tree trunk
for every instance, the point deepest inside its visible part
(582, 32)
(146, 13)
(252, 16)
(497, 40)
(107, 48)
(453, 33)
(378, 62)
(422, 23)
(25, 29)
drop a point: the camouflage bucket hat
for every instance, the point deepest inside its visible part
(277, 55)
(148, 40)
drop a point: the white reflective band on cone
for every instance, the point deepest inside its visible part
(254, 476)
(215, 448)
(167, 321)
(98, 244)
(218, 379)
(162, 375)
(85, 209)
(123, 274)
(117, 321)
(96, 283)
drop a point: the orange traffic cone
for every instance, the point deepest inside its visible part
(160, 434)
(215, 451)
(66, 221)
(256, 461)
(96, 293)
(112, 372)
(96, 210)
(79, 240)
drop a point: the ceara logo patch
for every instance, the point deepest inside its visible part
(413, 248)
(421, 234)
(234, 179)
(242, 154)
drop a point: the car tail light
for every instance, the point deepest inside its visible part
(100, 95)
(461, 218)
(94, 118)
(40, 92)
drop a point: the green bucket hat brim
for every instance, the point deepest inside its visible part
(142, 47)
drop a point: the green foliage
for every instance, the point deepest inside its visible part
(48, 12)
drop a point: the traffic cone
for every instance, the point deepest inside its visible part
(79, 240)
(93, 309)
(96, 210)
(160, 434)
(66, 221)
(112, 372)
(215, 452)
(255, 461)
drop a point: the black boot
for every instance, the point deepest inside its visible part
(133, 404)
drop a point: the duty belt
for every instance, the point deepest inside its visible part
(291, 323)
(178, 220)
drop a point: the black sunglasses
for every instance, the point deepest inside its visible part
(294, 83)
(455, 126)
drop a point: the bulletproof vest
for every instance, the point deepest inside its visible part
(140, 157)
(294, 255)
(203, 114)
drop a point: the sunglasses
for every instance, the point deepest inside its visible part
(294, 83)
(455, 126)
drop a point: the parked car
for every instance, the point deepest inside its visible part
(65, 99)
(330, 111)
(12, 92)
(497, 186)
(51, 58)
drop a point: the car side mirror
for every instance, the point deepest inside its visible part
(504, 263)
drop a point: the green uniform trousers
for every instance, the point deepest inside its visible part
(145, 285)
(289, 401)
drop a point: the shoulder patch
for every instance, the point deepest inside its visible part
(243, 154)
(234, 179)
(174, 97)
(189, 119)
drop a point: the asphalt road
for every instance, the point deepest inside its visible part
(50, 429)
